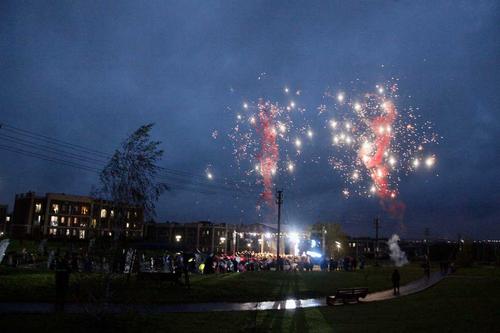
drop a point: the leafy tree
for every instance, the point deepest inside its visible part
(129, 178)
(332, 233)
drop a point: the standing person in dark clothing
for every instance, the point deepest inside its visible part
(395, 281)
(186, 268)
(427, 269)
(62, 282)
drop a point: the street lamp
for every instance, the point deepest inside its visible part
(178, 238)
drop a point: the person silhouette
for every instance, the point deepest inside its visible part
(395, 281)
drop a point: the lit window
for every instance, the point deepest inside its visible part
(94, 223)
(53, 221)
(75, 221)
(128, 215)
(112, 213)
(128, 225)
(7, 219)
(104, 213)
(82, 234)
(52, 231)
(55, 208)
(85, 210)
(67, 232)
(63, 220)
(38, 208)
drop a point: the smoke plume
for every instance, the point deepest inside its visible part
(398, 256)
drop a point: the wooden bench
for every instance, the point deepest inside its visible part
(347, 296)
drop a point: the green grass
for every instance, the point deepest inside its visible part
(25, 286)
(467, 302)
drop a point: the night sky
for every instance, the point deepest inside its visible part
(90, 72)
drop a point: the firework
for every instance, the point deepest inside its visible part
(269, 152)
(267, 140)
(375, 143)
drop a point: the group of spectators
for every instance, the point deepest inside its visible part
(348, 264)
(242, 262)
(81, 261)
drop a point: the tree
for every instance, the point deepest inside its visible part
(332, 235)
(129, 178)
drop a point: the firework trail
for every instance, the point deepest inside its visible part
(269, 151)
(381, 128)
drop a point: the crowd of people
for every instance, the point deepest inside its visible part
(242, 262)
(195, 262)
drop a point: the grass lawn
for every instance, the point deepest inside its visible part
(466, 302)
(23, 286)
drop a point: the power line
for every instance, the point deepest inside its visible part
(178, 186)
(176, 181)
(107, 156)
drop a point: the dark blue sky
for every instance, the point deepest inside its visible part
(90, 72)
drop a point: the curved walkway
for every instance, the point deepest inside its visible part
(290, 304)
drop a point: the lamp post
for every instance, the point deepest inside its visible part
(279, 202)
(223, 243)
(338, 247)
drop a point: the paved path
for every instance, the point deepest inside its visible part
(411, 288)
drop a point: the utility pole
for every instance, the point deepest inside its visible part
(427, 233)
(377, 226)
(279, 202)
(323, 241)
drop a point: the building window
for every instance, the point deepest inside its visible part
(53, 221)
(104, 213)
(7, 219)
(63, 220)
(67, 232)
(94, 223)
(112, 213)
(55, 208)
(38, 208)
(75, 221)
(85, 210)
(82, 234)
(53, 231)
